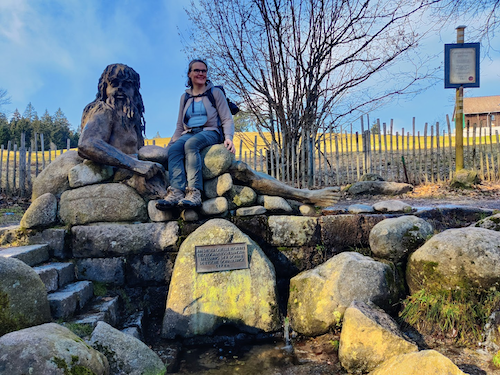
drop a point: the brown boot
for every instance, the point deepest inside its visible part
(172, 199)
(193, 198)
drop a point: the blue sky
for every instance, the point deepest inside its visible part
(53, 52)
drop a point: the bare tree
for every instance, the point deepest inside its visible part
(483, 17)
(305, 65)
(4, 98)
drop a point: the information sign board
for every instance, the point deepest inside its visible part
(223, 257)
(461, 62)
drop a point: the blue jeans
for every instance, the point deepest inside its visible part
(184, 159)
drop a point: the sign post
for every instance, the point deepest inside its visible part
(461, 70)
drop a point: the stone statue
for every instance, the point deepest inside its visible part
(112, 127)
(111, 134)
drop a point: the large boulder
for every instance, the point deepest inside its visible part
(369, 337)
(466, 257)
(102, 203)
(41, 213)
(395, 238)
(49, 349)
(216, 160)
(125, 354)
(199, 303)
(319, 297)
(23, 296)
(428, 362)
(54, 178)
(379, 187)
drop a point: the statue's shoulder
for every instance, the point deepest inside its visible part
(97, 109)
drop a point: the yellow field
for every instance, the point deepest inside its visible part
(245, 142)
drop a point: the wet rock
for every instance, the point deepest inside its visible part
(428, 362)
(199, 303)
(369, 337)
(392, 206)
(41, 213)
(23, 296)
(395, 238)
(54, 178)
(342, 232)
(125, 354)
(88, 173)
(360, 209)
(49, 349)
(379, 187)
(97, 203)
(454, 258)
(319, 297)
(452, 216)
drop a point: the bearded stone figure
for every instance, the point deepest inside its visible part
(112, 131)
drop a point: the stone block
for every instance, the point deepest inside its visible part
(107, 240)
(31, 254)
(104, 270)
(62, 304)
(49, 277)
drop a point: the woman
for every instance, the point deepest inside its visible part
(198, 126)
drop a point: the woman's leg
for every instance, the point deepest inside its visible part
(176, 169)
(192, 150)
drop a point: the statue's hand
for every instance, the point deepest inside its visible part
(148, 168)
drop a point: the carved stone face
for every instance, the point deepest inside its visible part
(120, 89)
(198, 78)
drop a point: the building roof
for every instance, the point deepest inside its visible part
(482, 104)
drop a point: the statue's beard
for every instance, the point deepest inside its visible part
(126, 105)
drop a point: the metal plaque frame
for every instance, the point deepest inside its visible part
(222, 257)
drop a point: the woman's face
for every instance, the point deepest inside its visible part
(198, 73)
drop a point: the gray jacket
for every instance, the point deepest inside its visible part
(211, 124)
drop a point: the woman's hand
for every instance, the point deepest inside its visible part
(229, 145)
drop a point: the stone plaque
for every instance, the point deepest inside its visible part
(223, 257)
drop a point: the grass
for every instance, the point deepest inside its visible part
(11, 215)
(458, 314)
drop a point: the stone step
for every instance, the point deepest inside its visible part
(103, 309)
(32, 255)
(70, 299)
(56, 275)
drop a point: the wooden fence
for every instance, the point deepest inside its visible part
(20, 164)
(332, 158)
(341, 158)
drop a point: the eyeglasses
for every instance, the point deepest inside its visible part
(202, 71)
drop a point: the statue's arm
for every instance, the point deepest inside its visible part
(93, 145)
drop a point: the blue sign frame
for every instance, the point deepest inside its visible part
(471, 80)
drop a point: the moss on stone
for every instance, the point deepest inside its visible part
(72, 368)
(10, 322)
